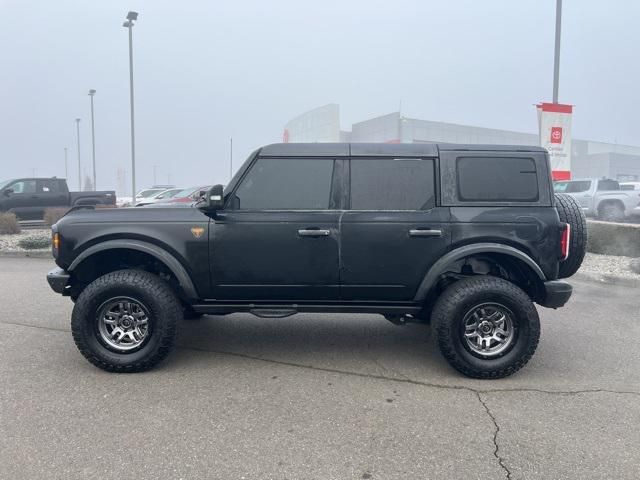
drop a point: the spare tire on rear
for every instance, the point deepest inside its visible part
(570, 212)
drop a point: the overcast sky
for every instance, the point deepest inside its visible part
(209, 70)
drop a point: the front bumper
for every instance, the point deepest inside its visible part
(58, 280)
(556, 294)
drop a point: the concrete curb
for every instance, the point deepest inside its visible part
(27, 254)
(606, 278)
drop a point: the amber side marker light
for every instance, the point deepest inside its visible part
(55, 240)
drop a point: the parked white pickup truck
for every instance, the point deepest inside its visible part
(602, 198)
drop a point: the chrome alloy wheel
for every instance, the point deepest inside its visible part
(123, 323)
(488, 329)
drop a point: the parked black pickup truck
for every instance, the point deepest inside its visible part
(465, 237)
(29, 197)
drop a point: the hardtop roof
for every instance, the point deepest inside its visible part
(382, 149)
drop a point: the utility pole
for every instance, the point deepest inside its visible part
(132, 17)
(66, 171)
(92, 92)
(79, 169)
(155, 169)
(556, 56)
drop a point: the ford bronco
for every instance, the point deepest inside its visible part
(465, 237)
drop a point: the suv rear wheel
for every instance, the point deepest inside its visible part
(125, 321)
(486, 327)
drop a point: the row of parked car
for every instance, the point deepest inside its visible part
(166, 196)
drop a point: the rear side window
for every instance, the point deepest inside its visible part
(392, 184)
(575, 186)
(604, 185)
(48, 186)
(286, 184)
(497, 179)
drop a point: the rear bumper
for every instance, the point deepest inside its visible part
(58, 280)
(556, 294)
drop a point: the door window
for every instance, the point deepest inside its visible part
(24, 186)
(286, 184)
(48, 186)
(392, 184)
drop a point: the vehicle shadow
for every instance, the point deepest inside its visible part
(334, 342)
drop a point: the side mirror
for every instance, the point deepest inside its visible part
(214, 199)
(7, 192)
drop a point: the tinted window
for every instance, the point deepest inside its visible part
(24, 186)
(392, 184)
(48, 186)
(498, 179)
(286, 184)
(572, 187)
(608, 185)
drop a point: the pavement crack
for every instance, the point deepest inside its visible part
(400, 378)
(496, 451)
(408, 380)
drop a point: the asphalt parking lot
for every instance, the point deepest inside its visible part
(317, 397)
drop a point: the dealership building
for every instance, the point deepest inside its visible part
(588, 158)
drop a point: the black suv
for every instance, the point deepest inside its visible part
(465, 237)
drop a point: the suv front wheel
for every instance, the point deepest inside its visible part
(125, 321)
(486, 327)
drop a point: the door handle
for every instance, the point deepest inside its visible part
(313, 232)
(425, 233)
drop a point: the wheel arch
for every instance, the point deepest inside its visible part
(497, 251)
(184, 283)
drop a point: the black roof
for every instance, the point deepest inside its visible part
(381, 149)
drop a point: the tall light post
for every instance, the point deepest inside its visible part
(556, 55)
(66, 170)
(92, 92)
(131, 18)
(79, 169)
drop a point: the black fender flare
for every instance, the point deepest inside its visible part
(172, 263)
(438, 268)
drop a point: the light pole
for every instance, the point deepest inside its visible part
(66, 171)
(92, 92)
(132, 17)
(556, 54)
(79, 172)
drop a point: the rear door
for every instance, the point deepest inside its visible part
(278, 237)
(50, 194)
(394, 229)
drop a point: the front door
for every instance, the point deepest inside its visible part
(394, 231)
(278, 237)
(23, 200)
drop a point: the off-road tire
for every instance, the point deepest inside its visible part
(164, 312)
(570, 212)
(463, 296)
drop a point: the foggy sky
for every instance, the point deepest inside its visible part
(209, 70)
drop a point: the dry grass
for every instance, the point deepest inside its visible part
(9, 224)
(52, 215)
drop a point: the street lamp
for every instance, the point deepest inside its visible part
(131, 18)
(92, 92)
(79, 169)
(556, 51)
(66, 171)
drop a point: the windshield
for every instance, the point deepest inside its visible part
(168, 193)
(149, 193)
(576, 186)
(5, 183)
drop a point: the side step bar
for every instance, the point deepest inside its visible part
(281, 311)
